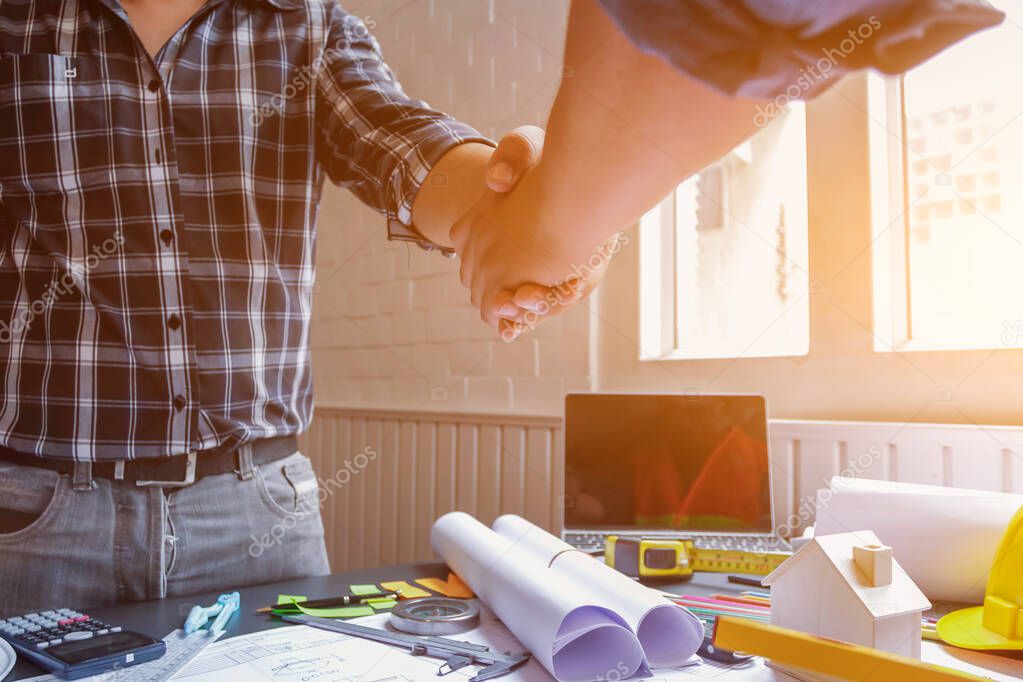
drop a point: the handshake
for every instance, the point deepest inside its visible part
(522, 256)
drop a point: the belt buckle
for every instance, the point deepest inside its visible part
(188, 480)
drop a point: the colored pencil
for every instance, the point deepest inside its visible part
(729, 604)
(752, 601)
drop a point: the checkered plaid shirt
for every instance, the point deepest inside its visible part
(157, 220)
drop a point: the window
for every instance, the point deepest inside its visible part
(724, 258)
(949, 230)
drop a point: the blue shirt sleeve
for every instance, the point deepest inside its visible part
(795, 48)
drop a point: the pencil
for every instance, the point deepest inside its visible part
(752, 601)
(331, 602)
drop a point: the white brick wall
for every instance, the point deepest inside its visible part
(392, 325)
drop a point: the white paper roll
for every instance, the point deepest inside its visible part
(575, 638)
(944, 538)
(668, 633)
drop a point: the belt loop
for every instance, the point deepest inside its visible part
(245, 469)
(82, 477)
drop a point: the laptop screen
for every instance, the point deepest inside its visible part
(666, 462)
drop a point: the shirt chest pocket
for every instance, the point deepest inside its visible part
(58, 137)
(37, 123)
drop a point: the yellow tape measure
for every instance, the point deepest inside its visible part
(641, 558)
(737, 561)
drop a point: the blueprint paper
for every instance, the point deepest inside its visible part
(944, 538)
(299, 653)
(576, 638)
(668, 633)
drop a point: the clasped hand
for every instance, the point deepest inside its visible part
(520, 267)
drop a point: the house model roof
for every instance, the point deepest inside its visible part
(901, 596)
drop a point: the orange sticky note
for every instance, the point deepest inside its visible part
(452, 587)
(407, 591)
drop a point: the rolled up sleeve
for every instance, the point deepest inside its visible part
(373, 138)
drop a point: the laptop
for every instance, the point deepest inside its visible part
(668, 466)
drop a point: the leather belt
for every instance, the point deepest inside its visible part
(172, 471)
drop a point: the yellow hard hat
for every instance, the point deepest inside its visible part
(998, 624)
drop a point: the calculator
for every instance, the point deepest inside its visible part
(71, 645)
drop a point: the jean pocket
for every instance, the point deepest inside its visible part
(289, 486)
(36, 495)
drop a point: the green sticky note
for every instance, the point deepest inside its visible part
(290, 598)
(383, 604)
(340, 611)
(363, 589)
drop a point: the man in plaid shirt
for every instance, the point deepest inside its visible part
(161, 165)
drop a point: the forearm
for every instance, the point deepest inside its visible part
(625, 129)
(455, 183)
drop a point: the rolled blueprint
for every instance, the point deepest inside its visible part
(944, 538)
(668, 633)
(571, 635)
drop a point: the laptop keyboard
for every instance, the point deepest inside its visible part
(593, 541)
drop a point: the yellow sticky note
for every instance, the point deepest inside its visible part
(363, 589)
(290, 598)
(407, 591)
(383, 604)
(452, 587)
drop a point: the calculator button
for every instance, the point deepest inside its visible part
(75, 636)
(42, 645)
(65, 621)
(115, 629)
(33, 628)
(55, 642)
(16, 631)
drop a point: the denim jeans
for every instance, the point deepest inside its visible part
(119, 542)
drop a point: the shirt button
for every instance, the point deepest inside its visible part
(154, 85)
(173, 322)
(167, 236)
(179, 403)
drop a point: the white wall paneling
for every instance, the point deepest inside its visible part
(429, 463)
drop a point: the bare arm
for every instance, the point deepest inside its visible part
(626, 128)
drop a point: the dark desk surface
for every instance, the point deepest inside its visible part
(161, 616)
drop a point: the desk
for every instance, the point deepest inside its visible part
(159, 617)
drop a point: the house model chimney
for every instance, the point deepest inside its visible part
(875, 562)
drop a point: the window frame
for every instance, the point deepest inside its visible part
(658, 278)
